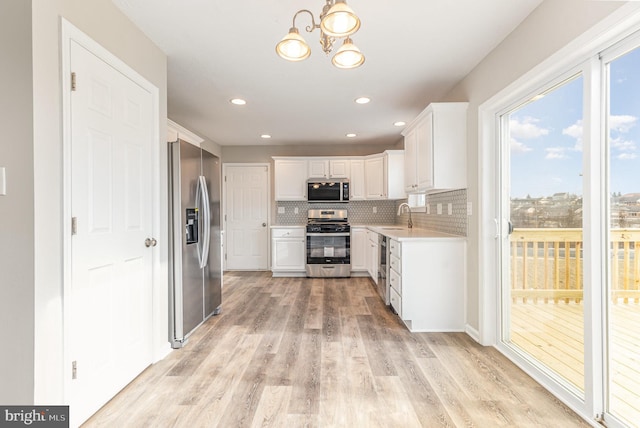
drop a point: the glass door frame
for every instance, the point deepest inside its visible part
(608, 56)
(553, 382)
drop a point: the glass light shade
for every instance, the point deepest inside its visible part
(340, 20)
(292, 47)
(348, 56)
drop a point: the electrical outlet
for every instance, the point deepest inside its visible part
(281, 210)
(450, 208)
(375, 210)
(439, 209)
(428, 208)
(295, 210)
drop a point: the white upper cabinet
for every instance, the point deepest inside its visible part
(436, 149)
(339, 168)
(328, 168)
(378, 176)
(384, 174)
(290, 179)
(356, 182)
(374, 177)
(318, 168)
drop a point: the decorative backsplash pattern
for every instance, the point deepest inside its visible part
(360, 212)
(456, 223)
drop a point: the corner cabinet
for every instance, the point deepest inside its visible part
(356, 182)
(290, 179)
(288, 251)
(436, 149)
(384, 175)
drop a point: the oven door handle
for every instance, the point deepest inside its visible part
(329, 234)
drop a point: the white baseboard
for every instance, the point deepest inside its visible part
(472, 332)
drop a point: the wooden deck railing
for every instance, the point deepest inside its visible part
(547, 264)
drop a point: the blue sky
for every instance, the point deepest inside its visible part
(546, 136)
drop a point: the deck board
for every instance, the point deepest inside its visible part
(553, 333)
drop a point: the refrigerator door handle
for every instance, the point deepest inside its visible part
(206, 212)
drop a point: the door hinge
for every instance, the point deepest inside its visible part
(73, 81)
(225, 256)
(74, 370)
(225, 178)
(74, 225)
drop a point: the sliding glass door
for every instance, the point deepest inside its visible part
(570, 203)
(622, 295)
(542, 266)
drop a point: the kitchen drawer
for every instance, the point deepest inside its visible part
(297, 232)
(394, 262)
(394, 248)
(395, 281)
(396, 301)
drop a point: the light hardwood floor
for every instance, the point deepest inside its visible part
(294, 352)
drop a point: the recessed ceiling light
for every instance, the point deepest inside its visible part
(351, 135)
(399, 123)
(238, 101)
(363, 100)
(265, 136)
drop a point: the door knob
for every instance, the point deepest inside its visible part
(150, 242)
(264, 224)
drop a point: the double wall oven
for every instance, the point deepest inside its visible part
(328, 243)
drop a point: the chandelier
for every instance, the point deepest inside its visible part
(337, 20)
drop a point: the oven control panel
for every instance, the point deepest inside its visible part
(328, 228)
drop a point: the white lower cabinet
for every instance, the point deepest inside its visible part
(358, 249)
(288, 251)
(426, 280)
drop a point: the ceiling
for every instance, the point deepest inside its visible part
(416, 51)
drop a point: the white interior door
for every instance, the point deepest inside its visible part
(246, 190)
(110, 294)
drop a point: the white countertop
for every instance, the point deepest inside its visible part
(403, 233)
(393, 231)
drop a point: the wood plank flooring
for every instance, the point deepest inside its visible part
(298, 352)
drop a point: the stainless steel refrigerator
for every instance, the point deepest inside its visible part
(196, 254)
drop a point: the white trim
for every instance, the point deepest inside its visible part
(68, 33)
(224, 208)
(183, 133)
(472, 332)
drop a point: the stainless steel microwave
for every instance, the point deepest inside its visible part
(327, 190)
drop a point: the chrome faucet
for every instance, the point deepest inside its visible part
(402, 205)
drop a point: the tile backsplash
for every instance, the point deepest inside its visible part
(454, 223)
(362, 212)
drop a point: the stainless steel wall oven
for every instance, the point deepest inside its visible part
(328, 243)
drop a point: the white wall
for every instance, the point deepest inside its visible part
(16, 208)
(546, 30)
(103, 22)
